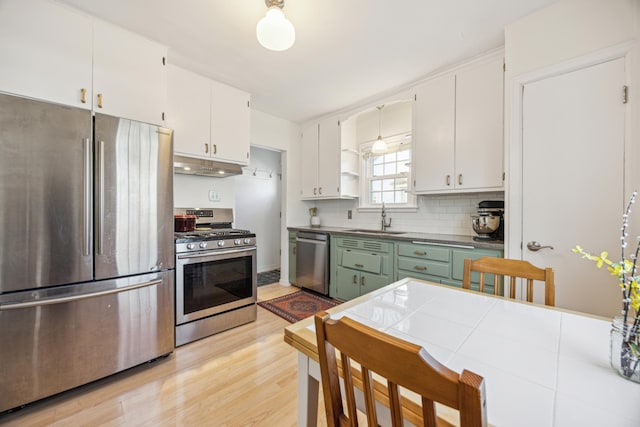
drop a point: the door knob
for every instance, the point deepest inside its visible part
(535, 246)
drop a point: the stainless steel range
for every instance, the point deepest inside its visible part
(216, 277)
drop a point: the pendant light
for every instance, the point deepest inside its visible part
(275, 31)
(379, 146)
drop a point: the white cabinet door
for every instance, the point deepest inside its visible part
(129, 77)
(309, 161)
(433, 135)
(229, 123)
(188, 112)
(46, 52)
(479, 127)
(329, 160)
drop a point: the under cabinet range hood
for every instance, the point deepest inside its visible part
(204, 167)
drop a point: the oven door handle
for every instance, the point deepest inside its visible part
(215, 253)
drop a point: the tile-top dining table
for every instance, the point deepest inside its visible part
(542, 366)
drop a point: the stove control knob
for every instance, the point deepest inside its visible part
(221, 243)
(247, 241)
(203, 245)
(237, 242)
(190, 246)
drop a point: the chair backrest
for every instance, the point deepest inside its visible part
(512, 269)
(401, 363)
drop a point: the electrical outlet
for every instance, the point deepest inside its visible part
(214, 196)
(349, 215)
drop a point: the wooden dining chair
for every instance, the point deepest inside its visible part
(399, 362)
(513, 269)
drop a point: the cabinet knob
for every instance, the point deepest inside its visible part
(99, 100)
(83, 95)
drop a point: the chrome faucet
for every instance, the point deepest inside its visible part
(384, 223)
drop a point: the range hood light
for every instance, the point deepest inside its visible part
(187, 168)
(204, 167)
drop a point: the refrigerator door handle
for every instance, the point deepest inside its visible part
(100, 225)
(86, 241)
(60, 300)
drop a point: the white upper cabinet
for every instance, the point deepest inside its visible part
(209, 119)
(433, 135)
(230, 125)
(323, 162)
(129, 77)
(189, 111)
(457, 130)
(46, 52)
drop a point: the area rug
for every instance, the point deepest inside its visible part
(298, 305)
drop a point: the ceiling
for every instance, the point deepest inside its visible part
(346, 51)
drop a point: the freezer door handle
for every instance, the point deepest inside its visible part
(86, 241)
(100, 229)
(60, 300)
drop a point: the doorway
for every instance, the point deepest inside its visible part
(573, 179)
(258, 207)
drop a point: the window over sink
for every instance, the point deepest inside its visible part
(386, 176)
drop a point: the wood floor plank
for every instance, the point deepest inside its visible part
(246, 376)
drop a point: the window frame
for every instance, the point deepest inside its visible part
(394, 144)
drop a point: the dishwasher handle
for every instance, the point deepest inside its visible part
(312, 241)
(308, 236)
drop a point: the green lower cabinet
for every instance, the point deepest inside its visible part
(292, 257)
(359, 266)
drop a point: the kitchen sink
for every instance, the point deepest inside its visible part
(362, 230)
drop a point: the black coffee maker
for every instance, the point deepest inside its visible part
(488, 223)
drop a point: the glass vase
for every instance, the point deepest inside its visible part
(625, 350)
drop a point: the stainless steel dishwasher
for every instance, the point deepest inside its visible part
(312, 261)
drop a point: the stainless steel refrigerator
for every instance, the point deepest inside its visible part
(86, 247)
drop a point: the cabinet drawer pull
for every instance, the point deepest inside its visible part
(99, 100)
(320, 190)
(83, 95)
(355, 279)
(448, 180)
(206, 148)
(460, 179)
(420, 253)
(359, 265)
(314, 191)
(362, 281)
(420, 268)
(215, 148)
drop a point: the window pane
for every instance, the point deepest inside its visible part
(387, 197)
(376, 197)
(401, 183)
(403, 167)
(401, 197)
(404, 155)
(388, 185)
(390, 157)
(390, 168)
(378, 160)
(376, 185)
(378, 170)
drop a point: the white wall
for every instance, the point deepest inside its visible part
(258, 205)
(276, 133)
(191, 191)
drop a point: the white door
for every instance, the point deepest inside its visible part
(230, 123)
(573, 147)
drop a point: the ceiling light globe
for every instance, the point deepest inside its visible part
(379, 146)
(275, 31)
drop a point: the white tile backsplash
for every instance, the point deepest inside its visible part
(442, 214)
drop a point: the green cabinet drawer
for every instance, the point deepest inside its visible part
(362, 261)
(424, 267)
(424, 252)
(458, 256)
(364, 244)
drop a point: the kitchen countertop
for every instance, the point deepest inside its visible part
(443, 239)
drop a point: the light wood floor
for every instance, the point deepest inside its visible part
(242, 377)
